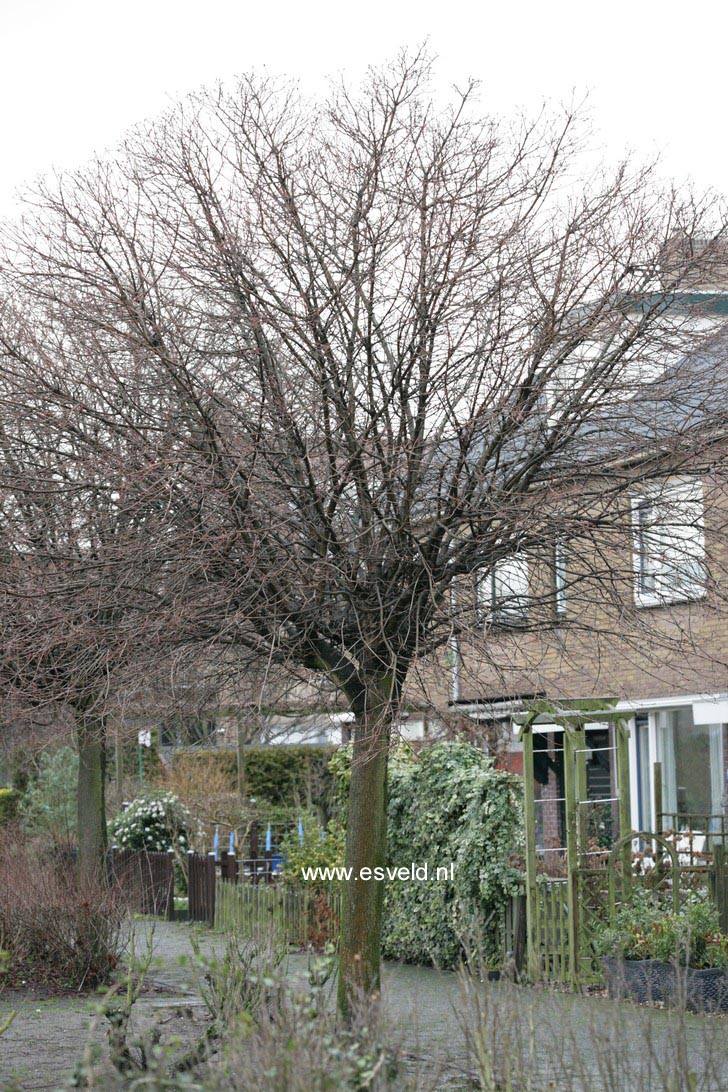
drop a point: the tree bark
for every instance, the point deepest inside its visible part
(92, 841)
(366, 844)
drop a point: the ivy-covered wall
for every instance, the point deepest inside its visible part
(448, 807)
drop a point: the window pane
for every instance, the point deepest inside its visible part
(510, 589)
(647, 546)
(669, 542)
(692, 766)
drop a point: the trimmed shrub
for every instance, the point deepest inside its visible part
(284, 776)
(205, 788)
(221, 764)
(289, 776)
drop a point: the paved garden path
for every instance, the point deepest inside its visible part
(421, 1005)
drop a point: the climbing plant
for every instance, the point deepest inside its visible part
(448, 808)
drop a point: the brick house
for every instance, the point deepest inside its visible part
(658, 640)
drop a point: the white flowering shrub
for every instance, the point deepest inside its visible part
(158, 824)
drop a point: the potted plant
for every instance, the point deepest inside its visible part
(698, 954)
(652, 954)
(630, 963)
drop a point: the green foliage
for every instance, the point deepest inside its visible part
(340, 770)
(314, 852)
(48, 806)
(23, 768)
(156, 823)
(9, 799)
(292, 776)
(450, 807)
(629, 934)
(644, 928)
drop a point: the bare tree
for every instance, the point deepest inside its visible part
(80, 588)
(380, 345)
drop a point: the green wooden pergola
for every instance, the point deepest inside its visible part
(571, 716)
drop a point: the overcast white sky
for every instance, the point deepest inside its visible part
(75, 74)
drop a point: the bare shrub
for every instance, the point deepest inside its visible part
(57, 931)
(263, 1033)
(204, 787)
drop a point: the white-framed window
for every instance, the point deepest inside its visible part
(669, 543)
(503, 593)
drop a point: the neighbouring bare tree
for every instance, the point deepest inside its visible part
(80, 588)
(381, 344)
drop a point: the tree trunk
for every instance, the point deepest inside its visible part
(366, 842)
(91, 798)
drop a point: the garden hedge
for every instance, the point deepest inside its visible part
(284, 776)
(451, 808)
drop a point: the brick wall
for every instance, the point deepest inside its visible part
(606, 644)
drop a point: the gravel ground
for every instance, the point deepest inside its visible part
(48, 1036)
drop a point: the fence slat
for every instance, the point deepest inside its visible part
(147, 880)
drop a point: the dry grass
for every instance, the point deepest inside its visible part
(517, 1040)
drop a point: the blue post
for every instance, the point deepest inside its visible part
(216, 843)
(268, 840)
(300, 831)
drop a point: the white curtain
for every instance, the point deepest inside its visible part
(715, 732)
(665, 722)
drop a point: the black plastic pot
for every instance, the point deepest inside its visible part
(642, 980)
(700, 990)
(645, 980)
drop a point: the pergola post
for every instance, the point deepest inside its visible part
(625, 809)
(572, 853)
(533, 955)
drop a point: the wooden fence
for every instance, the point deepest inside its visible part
(201, 887)
(511, 931)
(229, 894)
(147, 880)
(551, 929)
(294, 917)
